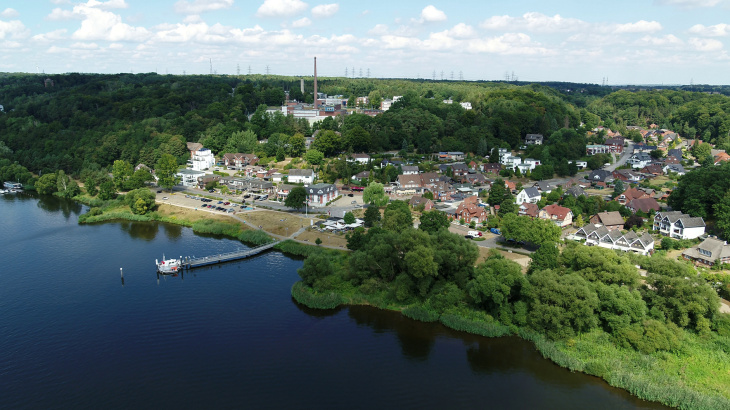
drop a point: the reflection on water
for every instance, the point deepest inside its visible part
(416, 339)
(52, 203)
(140, 230)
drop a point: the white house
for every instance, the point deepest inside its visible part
(530, 195)
(599, 235)
(320, 194)
(202, 159)
(579, 164)
(530, 163)
(511, 161)
(189, 177)
(360, 158)
(466, 105)
(409, 169)
(677, 225)
(639, 160)
(301, 176)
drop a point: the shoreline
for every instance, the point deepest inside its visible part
(617, 367)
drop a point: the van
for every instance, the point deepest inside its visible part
(474, 234)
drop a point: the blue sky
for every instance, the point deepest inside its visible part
(621, 42)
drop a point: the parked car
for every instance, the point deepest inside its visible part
(495, 231)
(474, 234)
(353, 202)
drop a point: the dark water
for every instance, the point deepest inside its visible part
(230, 336)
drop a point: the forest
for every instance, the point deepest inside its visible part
(73, 122)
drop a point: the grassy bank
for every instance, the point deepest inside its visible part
(200, 222)
(693, 378)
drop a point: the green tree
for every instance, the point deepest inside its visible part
(316, 266)
(349, 218)
(296, 145)
(497, 192)
(545, 257)
(618, 188)
(497, 287)
(241, 141)
(397, 217)
(328, 143)
(67, 187)
(140, 201)
(428, 195)
(166, 171)
(47, 184)
(721, 210)
(314, 157)
(106, 190)
(374, 193)
(139, 179)
(702, 151)
(372, 216)
(432, 221)
(90, 185)
(121, 170)
(296, 197)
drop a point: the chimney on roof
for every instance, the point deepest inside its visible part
(315, 83)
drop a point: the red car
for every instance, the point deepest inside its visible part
(226, 203)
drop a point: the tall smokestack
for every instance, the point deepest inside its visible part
(301, 85)
(315, 83)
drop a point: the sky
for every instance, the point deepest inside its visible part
(616, 43)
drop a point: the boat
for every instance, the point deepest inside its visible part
(2, 191)
(13, 186)
(169, 265)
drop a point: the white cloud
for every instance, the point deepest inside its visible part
(325, 10)
(497, 22)
(201, 6)
(717, 30)
(104, 25)
(281, 8)
(641, 26)
(61, 1)
(116, 46)
(690, 4)
(85, 46)
(705, 44)
(9, 13)
(432, 14)
(534, 21)
(106, 5)
(378, 30)
(60, 14)
(13, 29)
(669, 40)
(302, 22)
(192, 18)
(51, 36)
(462, 30)
(510, 43)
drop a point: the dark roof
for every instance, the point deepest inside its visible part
(532, 192)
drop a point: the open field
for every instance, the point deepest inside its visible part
(516, 257)
(328, 239)
(192, 215)
(278, 223)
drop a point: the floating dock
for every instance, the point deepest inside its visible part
(190, 263)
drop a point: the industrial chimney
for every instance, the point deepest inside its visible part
(315, 83)
(301, 85)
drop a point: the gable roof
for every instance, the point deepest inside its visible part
(610, 218)
(532, 192)
(301, 172)
(643, 204)
(560, 212)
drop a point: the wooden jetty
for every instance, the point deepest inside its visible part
(190, 263)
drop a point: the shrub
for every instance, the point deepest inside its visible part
(421, 314)
(313, 299)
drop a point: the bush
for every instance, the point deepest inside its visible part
(315, 300)
(255, 237)
(421, 314)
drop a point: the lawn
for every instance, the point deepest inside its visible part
(278, 223)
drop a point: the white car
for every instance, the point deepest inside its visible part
(164, 198)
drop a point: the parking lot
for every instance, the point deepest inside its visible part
(202, 203)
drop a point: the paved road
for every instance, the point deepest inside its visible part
(623, 158)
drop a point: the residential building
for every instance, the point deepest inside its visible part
(629, 195)
(533, 139)
(360, 158)
(677, 225)
(599, 235)
(675, 168)
(528, 209)
(721, 157)
(575, 191)
(545, 187)
(301, 176)
(510, 161)
(645, 205)
(627, 175)
(466, 105)
(579, 164)
(597, 149)
(189, 177)
(560, 215)
(471, 212)
(611, 220)
(491, 168)
(652, 169)
(676, 153)
(320, 194)
(282, 191)
(416, 201)
(193, 147)
(452, 155)
(639, 160)
(202, 159)
(410, 170)
(709, 252)
(641, 147)
(362, 175)
(530, 195)
(615, 145)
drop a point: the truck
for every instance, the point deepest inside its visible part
(495, 231)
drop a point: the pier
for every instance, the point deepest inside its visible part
(190, 263)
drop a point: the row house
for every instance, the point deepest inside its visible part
(239, 160)
(599, 235)
(320, 194)
(560, 215)
(677, 225)
(710, 251)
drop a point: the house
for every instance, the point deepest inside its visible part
(510, 161)
(475, 179)
(641, 147)
(277, 177)
(677, 225)
(362, 175)
(600, 175)
(579, 164)
(721, 157)
(301, 176)
(206, 179)
(599, 235)
(451, 155)
(409, 184)
(575, 191)
(597, 149)
(560, 215)
(639, 160)
(709, 252)
(530, 195)
(528, 209)
(652, 169)
(471, 212)
(629, 195)
(627, 175)
(676, 153)
(202, 159)
(359, 158)
(531, 163)
(545, 187)
(644, 205)
(533, 139)
(189, 177)
(416, 201)
(491, 168)
(282, 191)
(611, 220)
(615, 145)
(670, 160)
(410, 170)
(320, 194)
(459, 169)
(675, 168)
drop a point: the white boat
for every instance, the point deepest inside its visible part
(2, 191)
(169, 265)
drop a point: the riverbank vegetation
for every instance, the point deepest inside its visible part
(586, 308)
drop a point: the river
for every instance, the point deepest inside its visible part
(75, 335)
